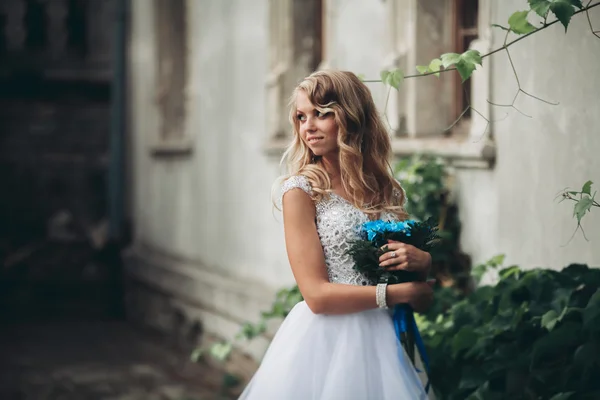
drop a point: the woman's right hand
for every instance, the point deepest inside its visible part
(419, 295)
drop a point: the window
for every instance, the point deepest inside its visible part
(296, 48)
(172, 74)
(465, 26)
(421, 111)
(418, 32)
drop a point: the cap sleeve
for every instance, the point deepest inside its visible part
(293, 182)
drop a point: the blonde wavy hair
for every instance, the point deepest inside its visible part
(364, 145)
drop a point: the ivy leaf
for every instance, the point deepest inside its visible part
(582, 206)
(591, 313)
(465, 63)
(396, 78)
(393, 78)
(230, 380)
(587, 188)
(220, 351)
(196, 354)
(384, 76)
(361, 77)
(518, 23)
(449, 59)
(464, 339)
(422, 69)
(550, 319)
(434, 66)
(508, 272)
(563, 10)
(541, 7)
(585, 355)
(564, 336)
(576, 3)
(562, 396)
(472, 378)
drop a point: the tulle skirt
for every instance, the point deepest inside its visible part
(326, 357)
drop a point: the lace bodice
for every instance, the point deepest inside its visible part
(337, 225)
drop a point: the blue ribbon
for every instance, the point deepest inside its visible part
(404, 319)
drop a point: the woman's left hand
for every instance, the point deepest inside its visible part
(404, 256)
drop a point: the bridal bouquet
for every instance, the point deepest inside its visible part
(372, 243)
(374, 236)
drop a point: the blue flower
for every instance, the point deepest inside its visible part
(373, 228)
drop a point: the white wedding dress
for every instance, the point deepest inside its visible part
(328, 357)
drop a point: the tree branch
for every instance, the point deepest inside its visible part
(587, 13)
(507, 45)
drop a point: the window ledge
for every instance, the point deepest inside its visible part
(172, 148)
(460, 152)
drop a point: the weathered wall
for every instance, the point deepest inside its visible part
(513, 208)
(205, 232)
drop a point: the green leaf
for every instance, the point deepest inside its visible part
(449, 59)
(563, 10)
(230, 380)
(361, 77)
(496, 261)
(582, 206)
(465, 70)
(591, 313)
(556, 340)
(586, 354)
(465, 63)
(472, 378)
(587, 188)
(422, 69)
(562, 396)
(220, 351)
(384, 76)
(434, 66)
(196, 354)
(465, 338)
(508, 272)
(550, 319)
(518, 23)
(472, 57)
(393, 77)
(576, 3)
(396, 78)
(541, 7)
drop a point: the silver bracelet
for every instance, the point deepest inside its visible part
(380, 294)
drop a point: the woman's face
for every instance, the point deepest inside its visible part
(318, 131)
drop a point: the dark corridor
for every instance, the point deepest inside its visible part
(56, 72)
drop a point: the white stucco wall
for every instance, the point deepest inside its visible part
(513, 209)
(204, 223)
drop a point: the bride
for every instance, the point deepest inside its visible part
(340, 342)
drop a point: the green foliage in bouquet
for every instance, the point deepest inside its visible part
(375, 235)
(534, 335)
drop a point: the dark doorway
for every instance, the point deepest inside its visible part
(55, 120)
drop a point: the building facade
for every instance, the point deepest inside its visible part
(209, 84)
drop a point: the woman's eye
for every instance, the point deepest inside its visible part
(300, 117)
(320, 114)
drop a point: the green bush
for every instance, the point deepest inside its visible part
(424, 178)
(534, 335)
